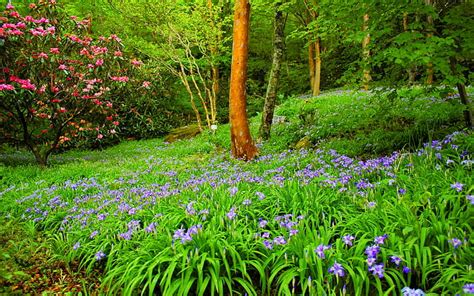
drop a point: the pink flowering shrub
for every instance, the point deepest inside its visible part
(57, 84)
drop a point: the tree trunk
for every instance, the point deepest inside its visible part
(317, 74)
(467, 112)
(270, 97)
(311, 64)
(366, 53)
(242, 144)
(214, 68)
(429, 70)
(41, 160)
(410, 71)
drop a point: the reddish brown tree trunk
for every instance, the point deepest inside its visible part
(242, 145)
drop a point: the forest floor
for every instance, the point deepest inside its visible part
(148, 215)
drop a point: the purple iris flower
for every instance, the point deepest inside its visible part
(320, 250)
(279, 240)
(377, 270)
(457, 186)
(100, 255)
(347, 239)
(231, 214)
(380, 240)
(372, 251)
(395, 259)
(337, 270)
(455, 242)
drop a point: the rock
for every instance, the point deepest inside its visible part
(304, 143)
(184, 132)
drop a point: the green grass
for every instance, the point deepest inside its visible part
(407, 196)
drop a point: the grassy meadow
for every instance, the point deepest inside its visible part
(378, 201)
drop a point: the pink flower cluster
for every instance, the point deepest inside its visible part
(120, 78)
(99, 50)
(6, 87)
(40, 31)
(24, 83)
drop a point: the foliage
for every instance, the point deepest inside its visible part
(369, 124)
(185, 218)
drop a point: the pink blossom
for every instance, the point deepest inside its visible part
(10, 6)
(90, 66)
(146, 84)
(74, 38)
(21, 25)
(26, 84)
(42, 55)
(98, 50)
(137, 63)
(54, 50)
(42, 21)
(62, 110)
(99, 62)
(109, 104)
(115, 37)
(84, 52)
(116, 123)
(6, 87)
(9, 26)
(15, 32)
(14, 14)
(100, 136)
(73, 17)
(29, 18)
(120, 78)
(62, 67)
(118, 53)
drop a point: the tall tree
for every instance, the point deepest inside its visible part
(429, 20)
(314, 47)
(366, 52)
(278, 49)
(242, 145)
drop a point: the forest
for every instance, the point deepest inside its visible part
(236, 147)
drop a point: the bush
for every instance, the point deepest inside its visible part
(58, 86)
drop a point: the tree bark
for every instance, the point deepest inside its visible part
(467, 112)
(270, 97)
(311, 64)
(242, 145)
(317, 74)
(366, 53)
(429, 69)
(214, 67)
(410, 71)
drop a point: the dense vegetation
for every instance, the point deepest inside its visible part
(357, 192)
(181, 217)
